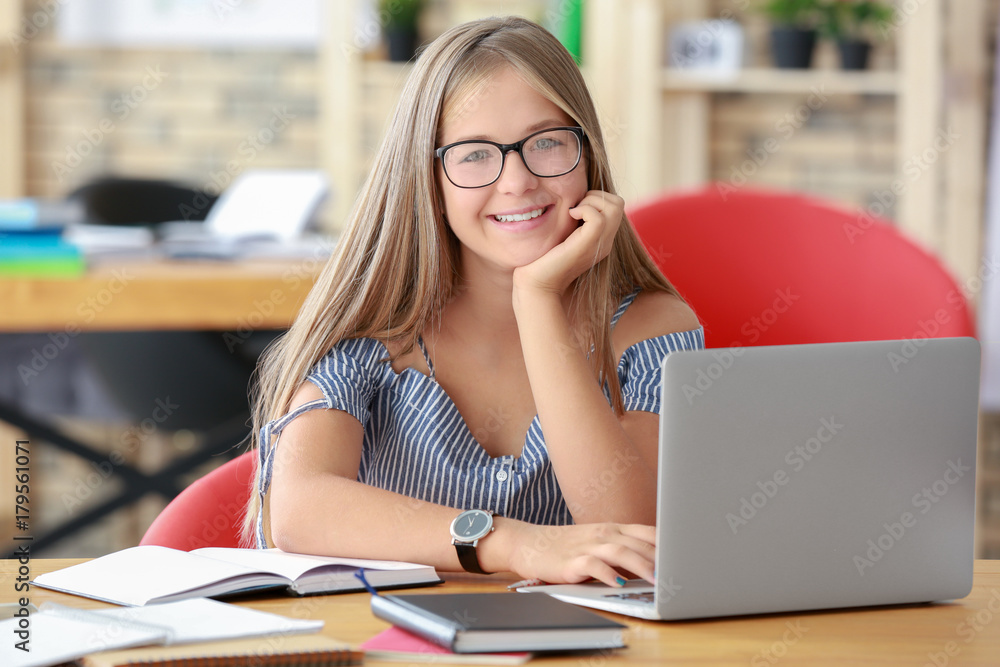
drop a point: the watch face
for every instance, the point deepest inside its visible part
(471, 525)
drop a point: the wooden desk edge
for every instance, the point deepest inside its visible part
(884, 635)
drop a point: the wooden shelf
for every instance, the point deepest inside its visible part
(769, 80)
(989, 475)
(989, 535)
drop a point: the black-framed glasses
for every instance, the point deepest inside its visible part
(477, 163)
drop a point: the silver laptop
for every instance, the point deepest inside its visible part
(810, 477)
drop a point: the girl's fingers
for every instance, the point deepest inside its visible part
(640, 532)
(620, 556)
(597, 569)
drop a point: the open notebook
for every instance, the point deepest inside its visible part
(153, 574)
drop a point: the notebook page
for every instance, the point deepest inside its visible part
(136, 575)
(295, 565)
(201, 619)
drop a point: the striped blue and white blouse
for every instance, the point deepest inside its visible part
(417, 444)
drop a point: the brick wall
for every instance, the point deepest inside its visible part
(840, 147)
(195, 116)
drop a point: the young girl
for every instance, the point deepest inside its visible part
(473, 382)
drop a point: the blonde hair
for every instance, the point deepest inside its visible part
(397, 264)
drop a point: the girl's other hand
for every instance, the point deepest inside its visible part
(600, 215)
(572, 554)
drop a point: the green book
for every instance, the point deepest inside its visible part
(54, 267)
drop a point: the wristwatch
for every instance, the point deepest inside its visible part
(466, 530)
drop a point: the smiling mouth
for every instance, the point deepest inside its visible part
(521, 217)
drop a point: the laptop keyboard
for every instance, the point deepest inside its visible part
(633, 597)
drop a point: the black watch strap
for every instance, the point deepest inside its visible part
(467, 557)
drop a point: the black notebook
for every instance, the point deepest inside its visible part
(492, 622)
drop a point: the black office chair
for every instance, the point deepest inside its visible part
(167, 380)
(112, 200)
(195, 369)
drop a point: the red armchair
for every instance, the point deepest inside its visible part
(770, 268)
(209, 512)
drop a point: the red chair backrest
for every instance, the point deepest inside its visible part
(768, 268)
(208, 513)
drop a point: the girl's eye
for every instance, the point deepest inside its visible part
(476, 155)
(546, 144)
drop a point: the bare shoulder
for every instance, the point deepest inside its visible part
(653, 314)
(306, 393)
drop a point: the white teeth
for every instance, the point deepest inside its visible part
(520, 217)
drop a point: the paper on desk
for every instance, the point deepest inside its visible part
(60, 634)
(202, 619)
(51, 639)
(273, 203)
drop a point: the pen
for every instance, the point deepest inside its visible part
(526, 582)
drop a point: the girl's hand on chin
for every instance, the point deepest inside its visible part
(600, 214)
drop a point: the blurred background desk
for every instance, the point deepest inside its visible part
(161, 295)
(129, 317)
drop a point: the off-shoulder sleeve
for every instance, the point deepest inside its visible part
(639, 368)
(348, 377)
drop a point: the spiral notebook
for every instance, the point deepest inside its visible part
(296, 650)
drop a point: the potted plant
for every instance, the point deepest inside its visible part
(399, 20)
(852, 24)
(793, 31)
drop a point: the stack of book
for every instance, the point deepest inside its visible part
(31, 240)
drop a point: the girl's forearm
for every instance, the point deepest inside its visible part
(601, 471)
(327, 514)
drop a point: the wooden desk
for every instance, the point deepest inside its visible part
(912, 635)
(160, 294)
(150, 294)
